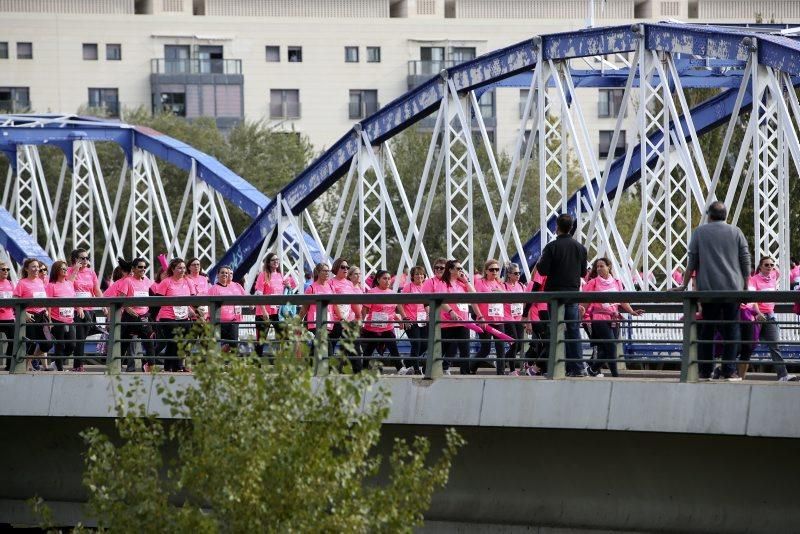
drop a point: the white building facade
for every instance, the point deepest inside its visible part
(315, 66)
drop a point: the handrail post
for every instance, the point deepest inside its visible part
(17, 364)
(213, 318)
(556, 364)
(433, 362)
(321, 342)
(690, 368)
(113, 348)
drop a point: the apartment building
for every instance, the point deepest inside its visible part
(315, 66)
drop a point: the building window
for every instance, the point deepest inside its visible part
(14, 99)
(284, 104)
(113, 52)
(4, 50)
(90, 51)
(460, 54)
(24, 50)
(294, 54)
(273, 54)
(363, 103)
(176, 59)
(373, 54)
(105, 99)
(351, 54)
(210, 59)
(431, 60)
(609, 102)
(174, 103)
(605, 143)
(486, 104)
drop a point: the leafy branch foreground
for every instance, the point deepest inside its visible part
(259, 450)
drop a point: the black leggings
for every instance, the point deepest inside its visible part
(517, 331)
(7, 329)
(334, 336)
(142, 329)
(82, 327)
(606, 350)
(540, 341)
(262, 330)
(455, 340)
(375, 340)
(167, 330)
(418, 337)
(486, 347)
(34, 331)
(64, 341)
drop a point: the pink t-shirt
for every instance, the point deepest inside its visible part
(114, 289)
(85, 282)
(380, 317)
(433, 285)
(228, 313)
(61, 289)
(794, 274)
(513, 312)
(415, 311)
(27, 289)
(602, 310)
(536, 307)
(492, 312)
(462, 310)
(311, 317)
(169, 287)
(200, 282)
(273, 286)
(6, 292)
(343, 312)
(135, 287)
(758, 282)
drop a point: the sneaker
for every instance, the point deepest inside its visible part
(146, 367)
(36, 364)
(788, 378)
(598, 375)
(52, 366)
(447, 372)
(79, 369)
(515, 372)
(733, 378)
(717, 374)
(532, 371)
(405, 371)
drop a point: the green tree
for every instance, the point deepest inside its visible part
(260, 451)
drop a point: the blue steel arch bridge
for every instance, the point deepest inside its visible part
(755, 70)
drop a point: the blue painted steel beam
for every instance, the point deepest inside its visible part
(19, 243)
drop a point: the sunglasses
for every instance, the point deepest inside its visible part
(515, 274)
(42, 270)
(4, 269)
(768, 264)
(439, 268)
(344, 267)
(494, 269)
(83, 258)
(141, 266)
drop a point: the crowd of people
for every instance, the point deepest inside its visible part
(518, 333)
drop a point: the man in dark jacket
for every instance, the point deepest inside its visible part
(564, 261)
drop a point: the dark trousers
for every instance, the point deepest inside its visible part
(606, 350)
(517, 331)
(34, 331)
(64, 341)
(141, 329)
(418, 337)
(353, 355)
(263, 324)
(486, 347)
(769, 336)
(373, 340)
(540, 341)
(82, 327)
(572, 339)
(229, 334)
(167, 330)
(455, 341)
(7, 329)
(729, 331)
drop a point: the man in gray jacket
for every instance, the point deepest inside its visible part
(720, 260)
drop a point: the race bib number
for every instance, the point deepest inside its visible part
(495, 310)
(66, 313)
(180, 312)
(5, 294)
(83, 294)
(141, 294)
(39, 295)
(516, 310)
(422, 316)
(237, 310)
(463, 307)
(344, 311)
(606, 306)
(380, 317)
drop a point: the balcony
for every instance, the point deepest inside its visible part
(195, 66)
(420, 71)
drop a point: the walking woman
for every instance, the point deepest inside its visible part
(604, 317)
(229, 315)
(513, 316)
(63, 329)
(379, 324)
(136, 319)
(764, 314)
(172, 319)
(455, 336)
(319, 286)
(31, 286)
(489, 282)
(7, 314)
(270, 281)
(341, 285)
(86, 286)
(354, 275)
(417, 313)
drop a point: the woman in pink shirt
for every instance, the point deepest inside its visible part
(538, 317)
(455, 336)
(31, 286)
(513, 314)
(229, 315)
(494, 313)
(7, 314)
(136, 319)
(354, 275)
(270, 281)
(417, 313)
(379, 323)
(341, 285)
(171, 319)
(764, 313)
(604, 316)
(86, 286)
(62, 317)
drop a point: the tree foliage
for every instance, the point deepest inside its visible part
(260, 451)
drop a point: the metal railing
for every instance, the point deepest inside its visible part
(195, 66)
(670, 321)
